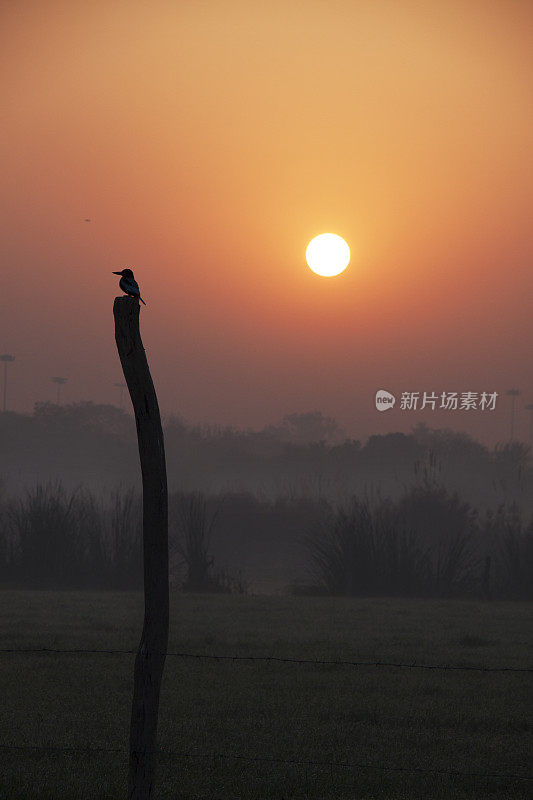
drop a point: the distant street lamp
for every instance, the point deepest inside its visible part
(529, 408)
(60, 382)
(121, 386)
(6, 359)
(514, 394)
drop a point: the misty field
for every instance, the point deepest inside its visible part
(383, 716)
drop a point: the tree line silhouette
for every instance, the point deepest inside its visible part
(305, 454)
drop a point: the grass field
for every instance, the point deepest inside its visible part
(389, 717)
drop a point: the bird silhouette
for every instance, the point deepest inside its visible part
(129, 285)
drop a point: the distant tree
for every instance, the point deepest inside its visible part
(512, 461)
(309, 426)
(391, 449)
(101, 417)
(176, 424)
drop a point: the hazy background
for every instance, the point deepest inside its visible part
(203, 143)
(208, 142)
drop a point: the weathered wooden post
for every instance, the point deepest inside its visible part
(150, 658)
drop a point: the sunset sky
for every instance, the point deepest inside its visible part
(208, 142)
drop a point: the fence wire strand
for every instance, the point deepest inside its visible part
(275, 659)
(271, 760)
(265, 759)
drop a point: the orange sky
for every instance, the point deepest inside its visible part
(208, 142)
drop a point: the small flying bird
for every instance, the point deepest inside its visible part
(128, 284)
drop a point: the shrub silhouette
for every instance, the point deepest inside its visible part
(509, 543)
(447, 526)
(122, 524)
(423, 545)
(193, 526)
(54, 537)
(366, 549)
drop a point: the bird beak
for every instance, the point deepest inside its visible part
(117, 273)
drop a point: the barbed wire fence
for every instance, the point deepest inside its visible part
(278, 659)
(394, 768)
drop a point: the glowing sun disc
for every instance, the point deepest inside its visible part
(327, 254)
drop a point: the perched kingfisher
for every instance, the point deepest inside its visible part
(128, 284)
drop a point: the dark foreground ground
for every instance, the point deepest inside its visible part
(385, 718)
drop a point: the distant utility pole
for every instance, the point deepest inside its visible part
(150, 658)
(6, 359)
(121, 386)
(529, 408)
(514, 394)
(60, 382)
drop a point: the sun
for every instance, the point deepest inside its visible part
(327, 254)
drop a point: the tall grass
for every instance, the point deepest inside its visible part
(365, 550)
(54, 537)
(428, 543)
(192, 524)
(447, 526)
(122, 526)
(421, 545)
(509, 542)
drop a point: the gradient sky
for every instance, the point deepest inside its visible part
(208, 142)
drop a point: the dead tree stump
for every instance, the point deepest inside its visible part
(150, 658)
